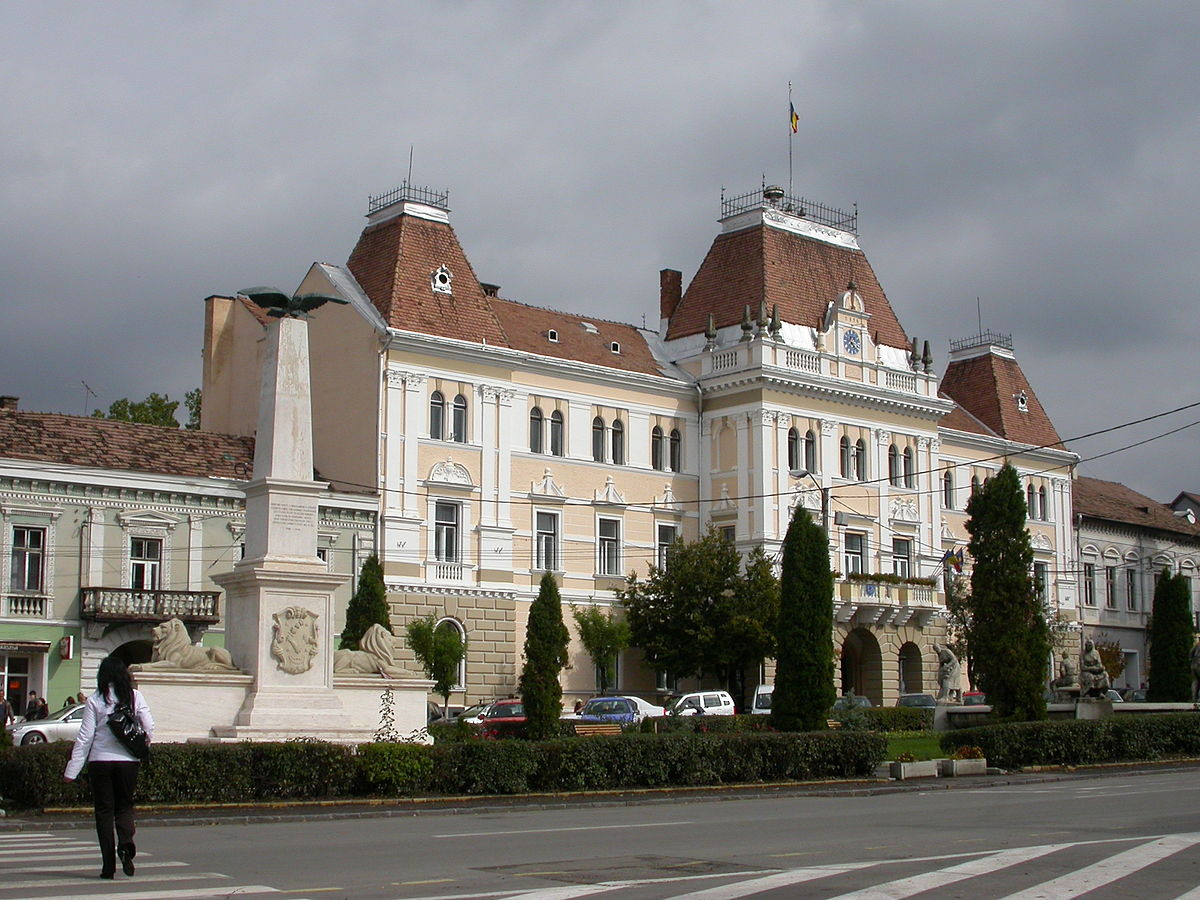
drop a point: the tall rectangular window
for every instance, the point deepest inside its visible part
(666, 537)
(546, 542)
(445, 531)
(855, 552)
(901, 557)
(1089, 584)
(1131, 592)
(28, 557)
(145, 561)
(609, 562)
(1110, 587)
(1041, 574)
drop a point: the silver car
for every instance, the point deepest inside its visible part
(62, 725)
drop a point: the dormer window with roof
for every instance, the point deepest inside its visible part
(1022, 401)
(552, 336)
(440, 279)
(615, 347)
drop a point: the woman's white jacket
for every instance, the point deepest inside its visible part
(96, 740)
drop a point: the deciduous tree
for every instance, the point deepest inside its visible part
(439, 649)
(804, 634)
(546, 640)
(603, 635)
(1010, 636)
(156, 409)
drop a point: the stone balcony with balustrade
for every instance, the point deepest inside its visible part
(883, 602)
(104, 604)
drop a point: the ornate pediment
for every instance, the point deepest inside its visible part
(147, 518)
(451, 472)
(1041, 542)
(609, 493)
(668, 500)
(547, 487)
(904, 509)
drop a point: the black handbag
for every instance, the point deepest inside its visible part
(128, 730)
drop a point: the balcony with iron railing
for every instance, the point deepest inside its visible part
(104, 604)
(886, 600)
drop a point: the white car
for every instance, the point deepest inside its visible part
(762, 700)
(646, 709)
(62, 725)
(706, 703)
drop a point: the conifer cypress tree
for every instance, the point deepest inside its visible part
(1011, 640)
(804, 632)
(367, 606)
(1171, 642)
(546, 640)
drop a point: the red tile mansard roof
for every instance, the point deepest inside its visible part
(1114, 502)
(123, 446)
(991, 387)
(394, 262)
(802, 275)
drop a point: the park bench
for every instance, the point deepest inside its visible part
(587, 729)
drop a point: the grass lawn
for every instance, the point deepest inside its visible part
(921, 744)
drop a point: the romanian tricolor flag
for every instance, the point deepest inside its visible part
(954, 558)
(795, 119)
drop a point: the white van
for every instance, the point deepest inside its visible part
(762, 700)
(706, 703)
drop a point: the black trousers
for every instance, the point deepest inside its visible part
(112, 792)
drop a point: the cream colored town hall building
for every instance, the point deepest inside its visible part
(507, 440)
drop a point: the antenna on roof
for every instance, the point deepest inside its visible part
(979, 313)
(410, 156)
(85, 396)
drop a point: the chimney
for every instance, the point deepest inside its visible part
(670, 290)
(9, 404)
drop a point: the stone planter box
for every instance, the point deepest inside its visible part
(948, 768)
(926, 768)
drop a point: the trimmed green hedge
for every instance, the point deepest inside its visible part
(899, 718)
(1074, 743)
(31, 777)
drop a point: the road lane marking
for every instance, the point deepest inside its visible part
(1108, 870)
(928, 881)
(556, 830)
(66, 882)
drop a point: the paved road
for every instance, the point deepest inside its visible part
(1119, 836)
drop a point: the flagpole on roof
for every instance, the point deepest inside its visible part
(791, 131)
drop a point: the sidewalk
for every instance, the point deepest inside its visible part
(321, 810)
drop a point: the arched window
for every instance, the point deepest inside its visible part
(948, 489)
(676, 454)
(462, 637)
(437, 415)
(656, 448)
(598, 439)
(459, 425)
(1030, 502)
(847, 461)
(535, 430)
(793, 450)
(810, 451)
(556, 433)
(618, 443)
(1042, 514)
(974, 485)
(893, 466)
(910, 478)
(860, 460)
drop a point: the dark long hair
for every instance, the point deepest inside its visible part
(113, 680)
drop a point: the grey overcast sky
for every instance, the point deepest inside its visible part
(1039, 156)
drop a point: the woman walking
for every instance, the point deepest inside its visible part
(112, 769)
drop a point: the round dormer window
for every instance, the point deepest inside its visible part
(440, 280)
(1022, 401)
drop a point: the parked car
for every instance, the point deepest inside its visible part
(761, 705)
(851, 701)
(706, 703)
(1114, 696)
(433, 712)
(974, 698)
(1134, 695)
(500, 714)
(623, 710)
(470, 714)
(924, 701)
(62, 725)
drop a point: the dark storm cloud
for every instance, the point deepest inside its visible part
(1039, 156)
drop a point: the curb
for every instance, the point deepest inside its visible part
(326, 810)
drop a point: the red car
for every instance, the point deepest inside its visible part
(502, 718)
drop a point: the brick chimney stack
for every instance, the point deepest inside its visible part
(670, 291)
(9, 404)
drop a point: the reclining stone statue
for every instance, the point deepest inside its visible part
(376, 656)
(173, 649)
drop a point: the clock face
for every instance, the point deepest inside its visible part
(851, 342)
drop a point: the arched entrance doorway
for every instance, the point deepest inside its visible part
(911, 672)
(862, 666)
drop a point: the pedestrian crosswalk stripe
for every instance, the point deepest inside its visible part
(779, 880)
(66, 882)
(184, 894)
(993, 862)
(34, 869)
(1108, 870)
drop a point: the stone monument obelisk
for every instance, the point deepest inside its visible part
(279, 597)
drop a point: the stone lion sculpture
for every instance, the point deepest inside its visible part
(376, 656)
(173, 649)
